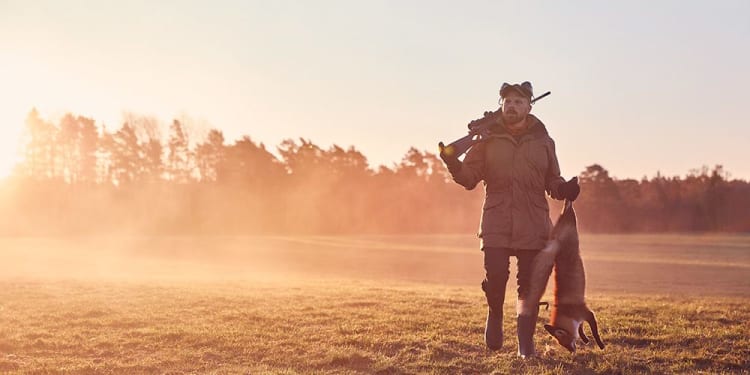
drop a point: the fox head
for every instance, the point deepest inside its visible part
(566, 330)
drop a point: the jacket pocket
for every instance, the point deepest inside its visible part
(495, 214)
(539, 211)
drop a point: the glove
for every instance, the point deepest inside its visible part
(569, 190)
(449, 158)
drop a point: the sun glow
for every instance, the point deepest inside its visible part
(13, 90)
(28, 82)
(9, 155)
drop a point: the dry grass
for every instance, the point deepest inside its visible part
(345, 327)
(347, 305)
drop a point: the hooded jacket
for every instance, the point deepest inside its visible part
(517, 171)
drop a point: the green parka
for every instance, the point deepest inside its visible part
(516, 172)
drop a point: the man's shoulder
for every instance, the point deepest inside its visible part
(537, 126)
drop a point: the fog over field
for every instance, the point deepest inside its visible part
(683, 264)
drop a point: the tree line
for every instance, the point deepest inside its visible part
(80, 178)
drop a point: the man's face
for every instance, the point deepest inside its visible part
(515, 107)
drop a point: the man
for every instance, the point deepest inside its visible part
(517, 163)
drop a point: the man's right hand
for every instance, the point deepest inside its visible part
(449, 158)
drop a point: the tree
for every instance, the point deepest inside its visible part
(413, 164)
(40, 147)
(68, 139)
(150, 148)
(89, 144)
(249, 164)
(179, 154)
(600, 199)
(302, 159)
(210, 155)
(124, 149)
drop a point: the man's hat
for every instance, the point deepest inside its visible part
(524, 89)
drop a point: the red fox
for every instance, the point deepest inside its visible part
(569, 310)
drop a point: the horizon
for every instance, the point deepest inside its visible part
(383, 77)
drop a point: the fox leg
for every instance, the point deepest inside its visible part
(591, 319)
(582, 335)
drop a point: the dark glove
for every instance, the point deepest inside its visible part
(569, 190)
(449, 158)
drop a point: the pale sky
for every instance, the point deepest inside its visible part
(637, 86)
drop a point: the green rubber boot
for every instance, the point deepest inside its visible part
(493, 329)
(526, 327)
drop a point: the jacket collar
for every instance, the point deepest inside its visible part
(536, 129)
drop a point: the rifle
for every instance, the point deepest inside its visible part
(478, 130)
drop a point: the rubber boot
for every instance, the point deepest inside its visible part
(493, 329)
(526, 327)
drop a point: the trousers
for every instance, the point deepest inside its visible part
(497, 271)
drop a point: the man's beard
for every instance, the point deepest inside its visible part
(511, 118)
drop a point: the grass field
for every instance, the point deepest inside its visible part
(408, 304)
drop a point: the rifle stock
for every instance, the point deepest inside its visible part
(459, 146)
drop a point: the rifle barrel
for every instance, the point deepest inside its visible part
(541, 96)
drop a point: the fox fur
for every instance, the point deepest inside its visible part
(569, 309)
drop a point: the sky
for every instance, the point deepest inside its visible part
(637, 86)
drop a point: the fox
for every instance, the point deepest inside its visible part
(569, 309)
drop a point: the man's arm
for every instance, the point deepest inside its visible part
(469, 172)
(556, 186)
(553, 179)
